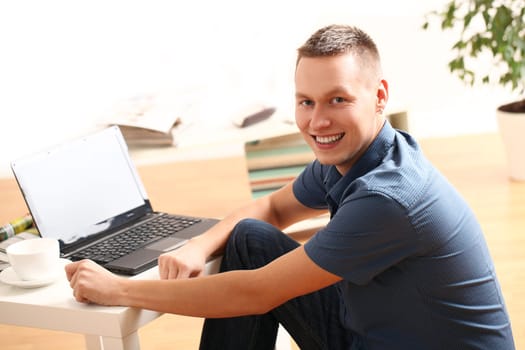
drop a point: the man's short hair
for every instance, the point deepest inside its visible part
(334, 40)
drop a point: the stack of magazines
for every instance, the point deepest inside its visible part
(14, 231)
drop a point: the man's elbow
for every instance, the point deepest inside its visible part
(263, 305)
(262, 300)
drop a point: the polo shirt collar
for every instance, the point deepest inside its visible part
(374, 155)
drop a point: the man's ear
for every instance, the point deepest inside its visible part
(382, 96)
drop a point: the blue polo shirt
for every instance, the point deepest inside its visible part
(416, 270)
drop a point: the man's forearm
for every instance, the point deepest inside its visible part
(208, 296)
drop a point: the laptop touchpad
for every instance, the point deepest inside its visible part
(167, 244)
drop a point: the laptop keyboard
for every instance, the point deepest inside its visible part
(134, 238)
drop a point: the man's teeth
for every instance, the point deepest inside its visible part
(328, 139)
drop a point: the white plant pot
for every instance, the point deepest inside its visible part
(512, 128)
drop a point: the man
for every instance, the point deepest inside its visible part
(402, 264)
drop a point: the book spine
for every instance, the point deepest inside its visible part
(16, 226)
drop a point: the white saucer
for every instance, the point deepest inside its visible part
(8, 276)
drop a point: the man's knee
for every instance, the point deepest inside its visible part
(252, 244)
(248, 224)
(247, 233)
(237, 251)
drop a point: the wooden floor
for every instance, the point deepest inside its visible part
(474, 164)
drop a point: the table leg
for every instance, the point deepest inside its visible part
(95, 342)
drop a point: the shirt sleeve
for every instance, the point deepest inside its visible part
(366, 236)
(309, 188)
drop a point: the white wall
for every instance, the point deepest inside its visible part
(63, 64)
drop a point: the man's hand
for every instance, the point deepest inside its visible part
(92, 283)
(187, 261)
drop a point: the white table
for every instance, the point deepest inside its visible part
(54, 307)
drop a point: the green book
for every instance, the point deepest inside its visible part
(275, 161)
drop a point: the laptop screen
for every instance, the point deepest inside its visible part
(81, 187)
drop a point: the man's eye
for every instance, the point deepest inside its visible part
(306, 103)
(338, 100)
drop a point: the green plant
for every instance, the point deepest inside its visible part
(487, 28)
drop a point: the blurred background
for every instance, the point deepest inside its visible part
(65, 64)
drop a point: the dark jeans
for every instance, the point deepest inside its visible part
(312, 320)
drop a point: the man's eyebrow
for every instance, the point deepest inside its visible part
(337, 90)
(300, 95)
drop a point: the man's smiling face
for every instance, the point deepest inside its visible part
(338, 107)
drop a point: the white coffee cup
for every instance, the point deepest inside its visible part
(35, 259)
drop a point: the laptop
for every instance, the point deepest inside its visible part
(88, 194)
